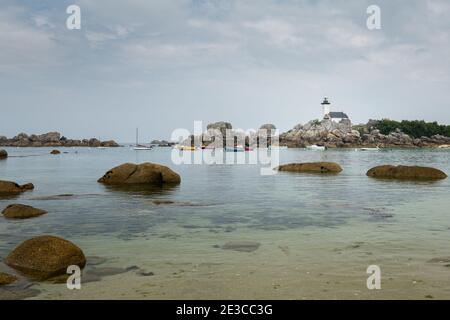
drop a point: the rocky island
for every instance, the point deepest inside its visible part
(52, 139)
(327, 132)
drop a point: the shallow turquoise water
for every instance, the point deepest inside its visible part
(334, 225)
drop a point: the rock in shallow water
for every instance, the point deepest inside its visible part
(3, 154)
(12, 187)
(45, 256)
(243, 246)
(406, 173)
(312, 167)
(21, 211)
(55, 152)
(144, 173)
(6, 278)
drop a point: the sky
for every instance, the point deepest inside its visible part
(162, 64)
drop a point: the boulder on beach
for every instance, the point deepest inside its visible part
(21, 211)
(144, 173)
(45, 256)
(3, 154)
(406, 172)
(55, 152)
(6, 278)
(12, 187)
(312, 167)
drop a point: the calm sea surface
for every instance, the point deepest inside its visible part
(317, 234)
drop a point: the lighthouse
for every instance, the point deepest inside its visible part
(326, 107)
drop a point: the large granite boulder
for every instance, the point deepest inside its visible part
(49, 137)
(221, 126)
(144, 173)
(21, 211)
(12, 187)
(3, 154)
(45, 256)
(312, 167)
(406, 172)
(268, 126)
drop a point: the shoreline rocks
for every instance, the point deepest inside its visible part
(21, 211)
(6, 278)
(312, 167)
(3, 154)
(12, 187)
(144, 173)
(52, 139)
(45, 256)
(406, 173)
(344, 135)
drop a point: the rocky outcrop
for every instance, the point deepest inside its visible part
(344, 134)
(406, 172)
(6, 278)
(144, 173)
(109, 144)
(3, 154)
(45, 256)
(313, 167)
(52, 139)
(21, 211)
(12, 187)
(268, 127)
(326, 132)
(216, 136)
(222, 126)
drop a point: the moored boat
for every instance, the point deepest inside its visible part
(316, 147)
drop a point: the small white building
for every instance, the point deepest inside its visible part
(335, 116)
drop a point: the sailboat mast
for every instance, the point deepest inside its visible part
(137, 136)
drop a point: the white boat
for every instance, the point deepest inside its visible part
(138, 146)
(444, 146)
(368, 149)
(316, 147)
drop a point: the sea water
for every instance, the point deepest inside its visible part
(314, 235)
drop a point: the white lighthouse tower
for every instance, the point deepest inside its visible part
(326, 107)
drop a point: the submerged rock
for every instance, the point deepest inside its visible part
(94, 260)
(55, 152)
(144, 173)
(243, 246)
(12, 187)
(313, 167)
(406, 172)
(3, 154)
(6, 278)
(45, 256)
(439, 260)
(21, 211)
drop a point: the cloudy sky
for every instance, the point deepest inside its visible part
(160, 65)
